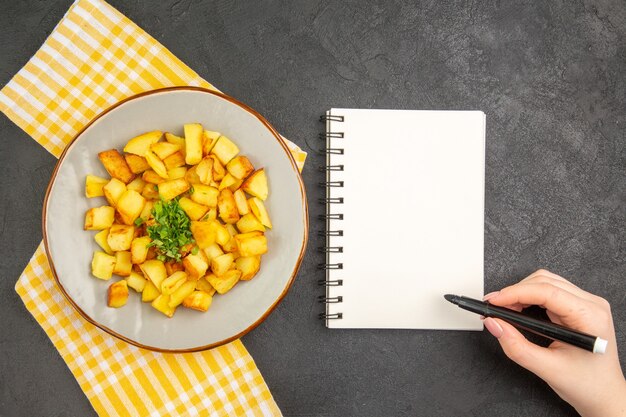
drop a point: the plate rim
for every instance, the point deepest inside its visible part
(294, 166)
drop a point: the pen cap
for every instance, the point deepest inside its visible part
(600, 345)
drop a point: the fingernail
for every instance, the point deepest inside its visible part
(493, 327)
(490, 295)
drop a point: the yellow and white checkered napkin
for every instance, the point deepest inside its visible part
(123, 380)
(94, 58)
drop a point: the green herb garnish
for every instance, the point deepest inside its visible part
(138, 221)
(171, 231)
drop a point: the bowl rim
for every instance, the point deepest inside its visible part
(294, 166)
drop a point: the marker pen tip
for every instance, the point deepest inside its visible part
(451, 298)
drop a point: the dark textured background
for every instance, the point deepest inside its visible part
(550, 75)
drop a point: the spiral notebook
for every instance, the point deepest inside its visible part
(404, 217)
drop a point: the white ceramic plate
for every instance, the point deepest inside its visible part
(70, 248)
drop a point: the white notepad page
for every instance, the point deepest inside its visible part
(413, 203)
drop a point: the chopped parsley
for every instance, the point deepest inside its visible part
(171, 230)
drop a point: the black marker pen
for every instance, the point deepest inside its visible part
(541, 327)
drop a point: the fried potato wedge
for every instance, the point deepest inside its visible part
(117, 294)
(251, 245)
(249, 223)
(173, 188)
(136, 163)
(156, 164)
(139, 249)
(139, 145)
(175, 160)
(102, 265)
(198, 300)
(227, 207)
(256, 184)
(225, 149)
(99, 218)
(239, 167)
(176, 140)
(136, 281)
(137, 185)
(259, 210)
(162, 304)
(205, 195)
(221, 264)
(154, 270)
(196, 265)
(120, 237)
(116, 165)
(204, 170)
(171, 283)
(182, 292)
(242, 202)
(101, 240)
(123, 266)
(176, 173)
(113, 190)
(164, 149)
(194, 210)
(94, 186)
(209, 140)
(227, 281)
(249, 266)
(193, 143)
(150, 292)
(130, 205)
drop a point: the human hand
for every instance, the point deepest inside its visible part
(592, 383)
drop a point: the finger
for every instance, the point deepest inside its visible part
(554, 318)
(554, 298)
(543, 275)
(565, 285)
(516, 307)
(545, 272)
(548, 277)
(536, 359)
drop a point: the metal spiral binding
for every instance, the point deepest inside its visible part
(335, 316)
(330, 283)
(330, 184)
(329, 300)
(334, 151)
(331, 135)
(331, 200)
(330, 266)
(330, 249)
(330, 117)
(337, 216)
(325, 233)
(328, 201)
(325, 168)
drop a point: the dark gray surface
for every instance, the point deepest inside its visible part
(548, 74)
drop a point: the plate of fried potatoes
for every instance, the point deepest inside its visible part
(176, 220)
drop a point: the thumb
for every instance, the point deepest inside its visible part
(538, 360)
